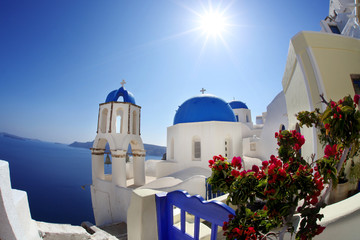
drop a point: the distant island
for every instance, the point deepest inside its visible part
(152, 150)
(4, 134)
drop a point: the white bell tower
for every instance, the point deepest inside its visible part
(119, 127)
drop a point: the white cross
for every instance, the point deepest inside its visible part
(202, 90)
(123, 83)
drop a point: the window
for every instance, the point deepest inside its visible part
(119, 114)
(237, 117)
(247, 118)
(103, 124)
(282, 127)
(252, 146)
(197, 150)
(134, 123)
(334, 29)
(355, 78)
(228, 150)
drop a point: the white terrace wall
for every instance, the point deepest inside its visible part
(110, 202)
(15, 218)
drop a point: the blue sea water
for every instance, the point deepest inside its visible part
(52, 175)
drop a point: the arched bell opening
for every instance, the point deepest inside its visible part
(102, 160)
(119, 120)
(107, 161)
(135, 161)
(129, 154)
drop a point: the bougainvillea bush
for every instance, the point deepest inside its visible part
(268, 197)
(339, 132)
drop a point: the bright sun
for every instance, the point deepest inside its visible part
(212, 23)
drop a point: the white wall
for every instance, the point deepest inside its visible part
(15, 218)
(212, 135)
(276, 115)
(142, 223)
(193, 185)
(318, 63)
(110, 202)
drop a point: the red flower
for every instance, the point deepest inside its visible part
(301, 140)
(297, 147)
(211, 162)
(235, 173)
(282, 172)
(255, 168)
(251, 230)
(335, 115)
(321, 228)
(333, 104)
(236, 162)
(327, 126)
(286, 166)
(225, 226)
(265, 163)
(356, 98)
(276, 134)
(330, 150)
(272, 159)
(314, 200)
(271, 169)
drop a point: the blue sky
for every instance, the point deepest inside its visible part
(59, 59)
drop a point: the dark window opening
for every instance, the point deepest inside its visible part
(355, 78)
(334, 29)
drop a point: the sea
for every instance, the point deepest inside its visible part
(55, 176)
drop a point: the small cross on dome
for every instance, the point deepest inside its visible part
(202, 90)
(123, 83)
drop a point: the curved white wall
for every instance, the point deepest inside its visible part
(276, 115)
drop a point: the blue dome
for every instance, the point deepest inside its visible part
(237, 104)
(114, 96)
(204, 108)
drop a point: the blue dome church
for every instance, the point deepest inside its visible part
(204, 126)
(204, 108)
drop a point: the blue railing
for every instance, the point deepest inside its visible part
(214, 212)
(209, 193)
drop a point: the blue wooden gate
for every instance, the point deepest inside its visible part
(214, 212)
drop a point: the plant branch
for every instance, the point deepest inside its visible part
(342, 159)
(323, 100)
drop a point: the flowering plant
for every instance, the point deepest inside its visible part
(339, 131)
(280, 184)
(268, 197)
